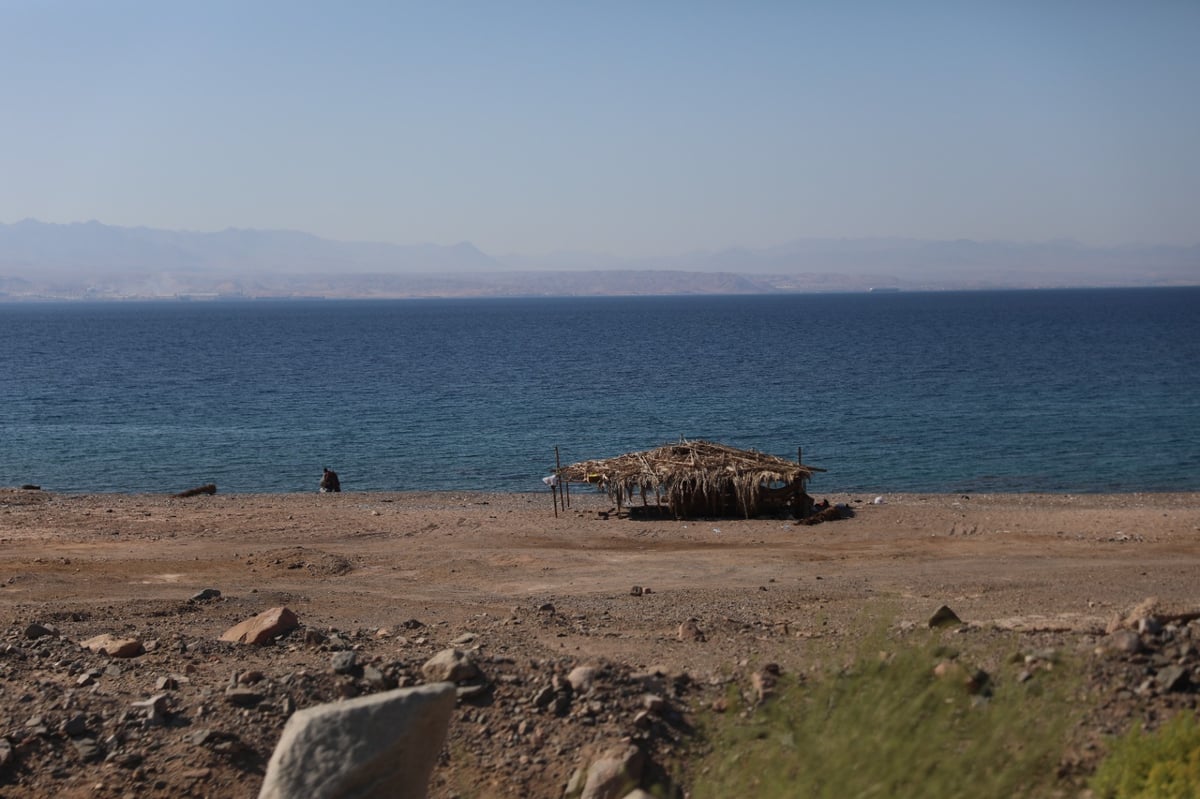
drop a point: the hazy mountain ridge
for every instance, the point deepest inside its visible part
(95, 261)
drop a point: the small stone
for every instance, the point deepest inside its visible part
(543, 697)
(764, 681)
(944, 617)
(155, 708)
(654, 703)
(87, 749)
(114, 647)
(75, 726)
(1125, 642)
(449, 665)
(243, 697)
(375, 678)
(690, 631)
(129, 760)
(1147, 608)
(472, 691)
(35, 630)
(206, 595)
(1148, 625)
(345, 662)
(1172, 678)
(581, 678)
(635, 591)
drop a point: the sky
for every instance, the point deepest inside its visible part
(630, 128)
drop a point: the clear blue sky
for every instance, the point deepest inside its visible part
(633, 128)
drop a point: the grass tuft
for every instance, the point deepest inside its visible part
(1160, 765)
(888, 727)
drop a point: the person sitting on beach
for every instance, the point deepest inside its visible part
(329, 481)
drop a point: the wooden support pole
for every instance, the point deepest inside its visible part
(566, 487)
(553, 480)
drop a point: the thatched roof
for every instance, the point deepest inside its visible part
(690, 470)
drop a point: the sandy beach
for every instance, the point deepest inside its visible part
(400, 577)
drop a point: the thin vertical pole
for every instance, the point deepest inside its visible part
(566, 490)
(554, 484)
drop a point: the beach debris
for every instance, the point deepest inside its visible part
(944, 617)
(830, 514)
(263, 628)
(114, 647)
(375, 747)
(209, 488)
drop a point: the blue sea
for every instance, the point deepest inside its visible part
(1066, 390)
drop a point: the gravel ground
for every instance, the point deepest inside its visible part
(396, 578)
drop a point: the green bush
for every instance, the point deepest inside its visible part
(1160, 765)
(889, 728)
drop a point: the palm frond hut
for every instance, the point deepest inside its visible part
(701, 478)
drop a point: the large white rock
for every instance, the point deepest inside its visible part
(382, 746)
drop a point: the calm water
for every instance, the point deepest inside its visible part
(992, 391)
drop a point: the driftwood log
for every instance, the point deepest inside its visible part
(210, 489)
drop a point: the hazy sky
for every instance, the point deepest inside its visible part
(634, 128)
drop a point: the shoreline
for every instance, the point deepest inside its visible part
(581, 489)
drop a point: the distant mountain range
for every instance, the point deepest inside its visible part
(41, 261)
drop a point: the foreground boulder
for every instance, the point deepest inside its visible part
(263, 628)
(612, 775)
(382, 746)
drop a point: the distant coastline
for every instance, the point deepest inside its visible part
(519, 285)
(94, 261)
